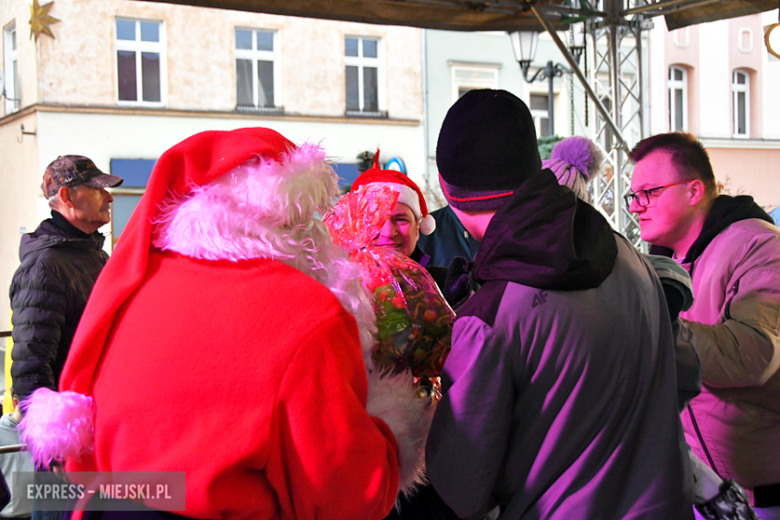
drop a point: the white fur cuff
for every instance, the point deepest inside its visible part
(57, 426)
(394, 399)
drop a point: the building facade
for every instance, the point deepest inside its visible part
(121, 81)
(718, 81)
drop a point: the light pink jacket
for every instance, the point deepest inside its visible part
(734, 324)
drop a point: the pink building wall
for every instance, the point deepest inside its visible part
(746, 166)
(750, 61)
(688, 58)
(748, 172)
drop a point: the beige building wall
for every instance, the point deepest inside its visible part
(18, 11)
(19, 202)
(19, 165)
(79, 66)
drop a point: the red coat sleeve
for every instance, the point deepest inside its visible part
(329, 458)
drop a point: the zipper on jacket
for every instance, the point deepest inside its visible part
(701, 441)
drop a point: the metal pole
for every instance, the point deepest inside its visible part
(575, 68)
(617, 114)
(640, 64)
(550, 71)
(13, 448)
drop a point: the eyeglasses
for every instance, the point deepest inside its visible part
(643, 196)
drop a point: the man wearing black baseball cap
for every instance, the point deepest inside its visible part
(61, 261)
(86, 209)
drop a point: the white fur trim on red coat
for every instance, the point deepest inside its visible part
(394, 399)
(262, 208)
(268, 209)
(57, 426)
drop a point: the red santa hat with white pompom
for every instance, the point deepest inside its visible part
(409, 192)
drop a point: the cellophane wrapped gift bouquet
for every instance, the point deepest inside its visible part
(414, 322)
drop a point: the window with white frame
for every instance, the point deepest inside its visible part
(364, 76)
(678, 99)
(139, 61)
(472, 77)
(257, 70)
(540, 111)
(740, 88)
(11, 83)
(136, 173)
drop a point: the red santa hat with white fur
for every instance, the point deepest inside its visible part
(409, 192)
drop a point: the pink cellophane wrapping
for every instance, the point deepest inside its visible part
(356, 220)
(414, 321)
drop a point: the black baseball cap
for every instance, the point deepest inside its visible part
(72, 170)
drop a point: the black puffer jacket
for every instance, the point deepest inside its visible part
(60, 265)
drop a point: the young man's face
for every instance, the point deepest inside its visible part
(401, 231)
(666, 219)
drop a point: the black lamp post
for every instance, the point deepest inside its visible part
(524, 45)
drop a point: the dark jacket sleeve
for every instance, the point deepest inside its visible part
(39, 303)
(471, 426)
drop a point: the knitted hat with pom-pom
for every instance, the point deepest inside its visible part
(575, 161)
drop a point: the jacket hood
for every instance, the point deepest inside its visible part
(724, 212)
(49, 235)
(545, 237)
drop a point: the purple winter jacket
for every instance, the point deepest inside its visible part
(560, 403)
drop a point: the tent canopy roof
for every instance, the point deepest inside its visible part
(485, 15)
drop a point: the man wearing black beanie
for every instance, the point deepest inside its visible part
(559, 392)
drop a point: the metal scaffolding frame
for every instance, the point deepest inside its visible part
(617, 72)
(614, 85)
(616, 81)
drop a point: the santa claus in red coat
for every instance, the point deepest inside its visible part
(227, 338)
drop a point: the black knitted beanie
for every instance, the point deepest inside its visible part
(486, 149)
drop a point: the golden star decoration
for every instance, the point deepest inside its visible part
(40, 19)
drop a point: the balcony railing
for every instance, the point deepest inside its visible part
(366, 114)
(260, 110)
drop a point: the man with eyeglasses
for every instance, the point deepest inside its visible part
(731, 249)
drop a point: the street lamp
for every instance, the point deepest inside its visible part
(577, 46)
(524, 45)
